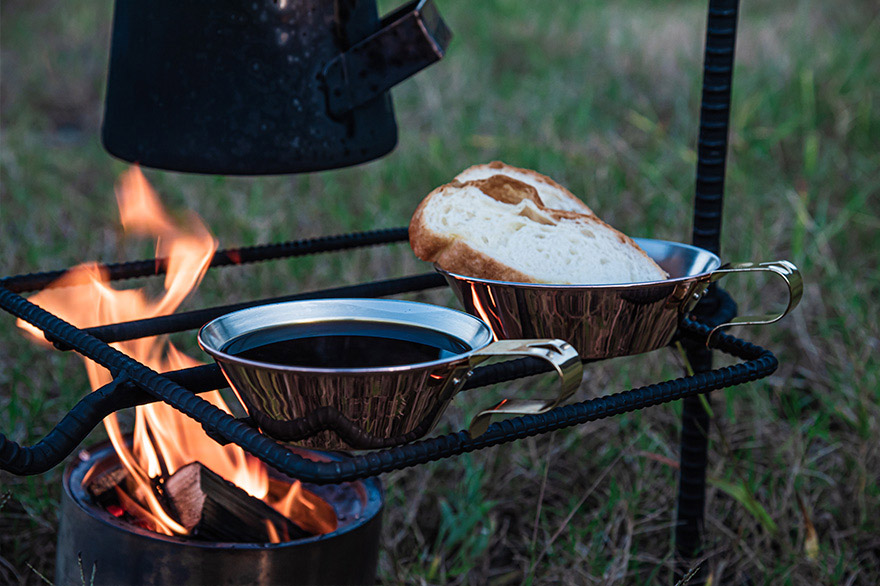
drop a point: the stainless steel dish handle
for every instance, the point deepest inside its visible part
(785, 269)
(560, 354)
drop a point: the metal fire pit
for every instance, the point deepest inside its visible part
(112, 552)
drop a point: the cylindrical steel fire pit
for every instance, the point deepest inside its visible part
(105, 550)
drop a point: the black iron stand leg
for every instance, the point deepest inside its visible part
(695, 421)
(711, 159)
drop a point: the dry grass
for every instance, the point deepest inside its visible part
(604, 99)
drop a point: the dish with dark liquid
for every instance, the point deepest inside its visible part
(345, 345)
(386, 368)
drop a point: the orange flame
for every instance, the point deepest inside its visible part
(164, 439)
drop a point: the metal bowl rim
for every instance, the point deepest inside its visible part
(230, 359)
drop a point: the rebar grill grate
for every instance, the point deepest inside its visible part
(135, 384)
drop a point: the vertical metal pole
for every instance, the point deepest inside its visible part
(711, 159)
(714, 118)
(692, 480)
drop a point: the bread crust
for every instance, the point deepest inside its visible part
(502, 168)
(507, 190)
(425, 243)
(458, 257)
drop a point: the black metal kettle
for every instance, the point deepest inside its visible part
(261, 86)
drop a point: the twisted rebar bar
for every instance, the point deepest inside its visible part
(708, 205)
(228, 257)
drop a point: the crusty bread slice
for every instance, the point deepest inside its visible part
(497, 228)
(551, 194)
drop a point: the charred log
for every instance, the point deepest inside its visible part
(214, 509)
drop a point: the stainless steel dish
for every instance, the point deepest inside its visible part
(383, 401)
(603, 321)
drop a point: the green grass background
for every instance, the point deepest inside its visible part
(604, 98)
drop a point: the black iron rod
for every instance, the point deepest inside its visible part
(20, 460)
(694, 445)
(714, 122)
(76, 425)
(709, 197)
(230, 256)
(188, 320)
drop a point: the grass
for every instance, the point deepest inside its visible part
(604, 98)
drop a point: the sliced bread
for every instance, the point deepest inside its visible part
(500, 228)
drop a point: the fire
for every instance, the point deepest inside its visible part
(164, 439)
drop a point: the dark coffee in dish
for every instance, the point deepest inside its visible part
(345, 345)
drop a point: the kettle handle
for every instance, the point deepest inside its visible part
(409, 39)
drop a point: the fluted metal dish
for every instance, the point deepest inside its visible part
(604, 321)
(382, 402)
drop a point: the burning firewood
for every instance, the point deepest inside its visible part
(213, 509)
(102, 486)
